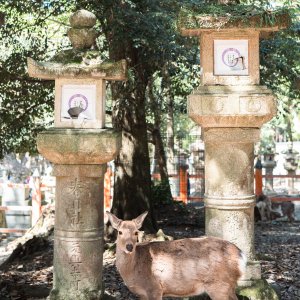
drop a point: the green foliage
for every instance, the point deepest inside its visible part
(26, 104)
(146, 28)
(194, 16)
(280, 70)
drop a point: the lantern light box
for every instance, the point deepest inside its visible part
(231, 57)
(79, 103)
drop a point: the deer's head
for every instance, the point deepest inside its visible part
(127, 231)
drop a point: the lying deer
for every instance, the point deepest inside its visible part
(180, 268)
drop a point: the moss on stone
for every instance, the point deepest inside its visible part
(74, 62)
(229, 16)
(259, 290)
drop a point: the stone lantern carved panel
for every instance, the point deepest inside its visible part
(257, 104)
(231, 107)
(213, 104)
(231, 57)
(79, 104)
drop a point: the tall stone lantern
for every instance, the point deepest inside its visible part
(269, 164)
(230, 105)
(80, 146)
(291, 157)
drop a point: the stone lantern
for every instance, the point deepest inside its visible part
(291, 165)
(80, 146)
(231, 106)
(269, 164)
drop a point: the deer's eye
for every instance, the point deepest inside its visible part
(120, 232)
(136, 233)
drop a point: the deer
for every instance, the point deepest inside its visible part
(178, 268)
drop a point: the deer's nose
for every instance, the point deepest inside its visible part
(129, 247)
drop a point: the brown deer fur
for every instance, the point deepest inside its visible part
(179, 268)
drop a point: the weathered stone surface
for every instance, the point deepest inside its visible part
(196, 19)
(250, 106)
(82, 38)
(80, 158)
(83, 18)
(82, 35)
(78, 232)
(79, 146)
(229, 161)
(80, 62)
(85, 67)
(259, 290)
(229, 199)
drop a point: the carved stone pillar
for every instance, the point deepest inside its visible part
(80, 157)
(229, 198)
(231, 118)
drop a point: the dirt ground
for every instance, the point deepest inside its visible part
(29, 275)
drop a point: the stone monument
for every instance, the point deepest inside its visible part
(291, 157)
(80, 146)
(231, 106)
(269, 164)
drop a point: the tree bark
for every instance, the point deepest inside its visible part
(159, 152)
(170, 121)
(170, 134)
(132, 179)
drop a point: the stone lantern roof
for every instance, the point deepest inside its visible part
(194, 20)
(81, 61)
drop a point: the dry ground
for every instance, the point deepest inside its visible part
(29, 275)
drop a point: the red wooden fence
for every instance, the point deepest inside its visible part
(183, 193)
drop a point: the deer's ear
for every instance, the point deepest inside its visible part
(140, 219)
(115, 222)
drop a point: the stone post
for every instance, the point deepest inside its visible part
(291, 165)
(231, 106)
(79, 146)
(79, 158)
(269, 164)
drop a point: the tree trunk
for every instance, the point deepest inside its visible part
(170, 120)
(170, 135)
(132, 186)
(160, 153)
